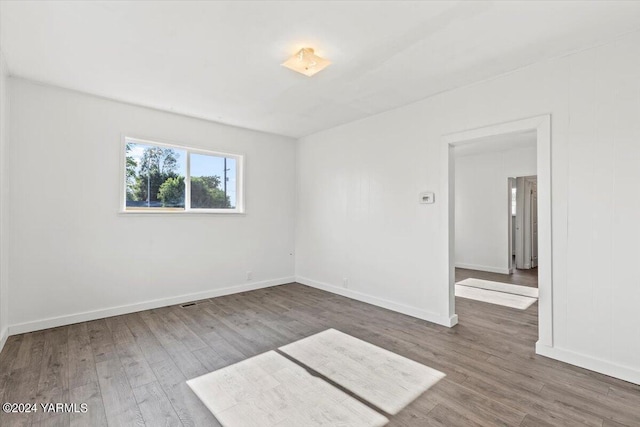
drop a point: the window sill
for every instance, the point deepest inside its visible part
(181, 212)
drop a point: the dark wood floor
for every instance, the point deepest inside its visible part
(131, 369)
(519, 277)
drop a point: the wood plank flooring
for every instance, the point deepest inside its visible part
(519, 277)
(131, 370)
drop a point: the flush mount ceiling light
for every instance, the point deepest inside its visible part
(305, 61)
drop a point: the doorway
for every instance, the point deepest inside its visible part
(523, 223)
(542, 127)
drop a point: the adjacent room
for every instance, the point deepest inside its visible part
(305, 213)
(496, 220)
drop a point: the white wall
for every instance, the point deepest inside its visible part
(358, 215)
(74, 257)
(4, 121)
(481, 197)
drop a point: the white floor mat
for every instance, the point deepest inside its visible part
(494, 297)
(525, 291)
(270, 390)
(385, 379)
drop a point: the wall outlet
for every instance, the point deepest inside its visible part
(345, 282)
(249, 275)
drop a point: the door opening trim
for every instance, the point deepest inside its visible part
(542, 126)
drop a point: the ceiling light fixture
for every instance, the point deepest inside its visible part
(305, 61)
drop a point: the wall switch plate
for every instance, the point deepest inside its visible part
(427, 197)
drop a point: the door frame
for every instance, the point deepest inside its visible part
(542, 126)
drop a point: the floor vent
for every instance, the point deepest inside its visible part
(192, 303)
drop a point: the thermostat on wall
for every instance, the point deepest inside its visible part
(427, 198)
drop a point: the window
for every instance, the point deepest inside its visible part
(167, 178)
(513, 201)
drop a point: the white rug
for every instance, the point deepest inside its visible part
(385, 379)
(270, 390)
(494, 297)
(525, 291)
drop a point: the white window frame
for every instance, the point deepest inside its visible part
(239, 158)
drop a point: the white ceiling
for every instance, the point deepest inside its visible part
(221, 60)
(491, 144)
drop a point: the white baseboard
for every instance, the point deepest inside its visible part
(380, 302)
(53, 322)
(602, 366)
(4, 334)
(483, 268)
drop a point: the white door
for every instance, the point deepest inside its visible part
(519, 223)
(534, 225)
(526, 223)
(511, 185)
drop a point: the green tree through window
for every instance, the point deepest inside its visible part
(206, 193)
